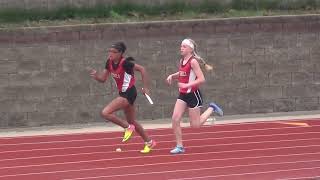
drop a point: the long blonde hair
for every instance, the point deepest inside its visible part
(206, 66)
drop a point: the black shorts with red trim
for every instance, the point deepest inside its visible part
(193, 99)
(130, 94)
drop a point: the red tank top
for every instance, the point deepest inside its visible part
(122, 79)
(186, 75)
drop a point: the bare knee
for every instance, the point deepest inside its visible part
(105, 114)
(175, 121)
(195, 125)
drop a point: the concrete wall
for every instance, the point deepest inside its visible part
(267, 64)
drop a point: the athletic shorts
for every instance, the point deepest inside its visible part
(193, 99)
(130, 94)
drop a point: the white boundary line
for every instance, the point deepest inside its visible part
(141, 157)
(242, 174)
(197, 169)
(159, 135)
(155, 164)
(98, 152)
(101, 127)
(108, 145)
(305, 178)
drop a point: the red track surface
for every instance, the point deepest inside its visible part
(258, 151)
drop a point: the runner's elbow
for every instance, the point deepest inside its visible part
(202, 80)
(142, 70)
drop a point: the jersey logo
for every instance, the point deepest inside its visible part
(117, 76)
(182, 73)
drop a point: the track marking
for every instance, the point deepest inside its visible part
(159, 135)
(295, 124)
(299, 178)
(197, 169)
(164, 163)
(260, 172)
(104, 152)
(231, 123)
(141, 157)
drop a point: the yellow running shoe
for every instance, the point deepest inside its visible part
(128, 133)
(148, 146)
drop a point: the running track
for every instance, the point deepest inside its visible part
(257, 151)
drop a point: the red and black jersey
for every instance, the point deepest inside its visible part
(122, 73)
(186, 75)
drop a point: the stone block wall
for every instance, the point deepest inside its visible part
(263, 64)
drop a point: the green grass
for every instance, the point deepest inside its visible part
(126, 12)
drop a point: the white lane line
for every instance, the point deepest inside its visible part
(162, 135)
(116, 145)
(164, 163)
(304, 177)
(255, 173)
(164, 127)
(141, 157)
(197, 169)
(108, 145)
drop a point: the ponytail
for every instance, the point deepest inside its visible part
(129, 58)
(206, 66)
